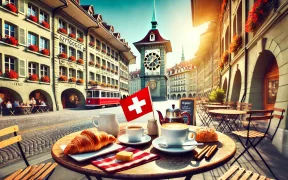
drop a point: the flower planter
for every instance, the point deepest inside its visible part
(92, 44)
(63, 55)
(63, 78)
(80, 39)
(80, 61)
(72, 35)
(45, 52)
(103, 50)
(72, 58)
(62, 30)
(45, 79)
(11, 74)
(98, 48)
(45, 24)
(72, 79)
(103, 67)
(225, 57)
(11, 40)
(97, 65)
(33, 18)
(235, 44)
(91, 63)
(33, 77)
(33, 48)
(11, 7)
(80, 81)
(108, 69)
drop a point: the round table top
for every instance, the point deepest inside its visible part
(227, 112)
(215, 103)
(168, 166)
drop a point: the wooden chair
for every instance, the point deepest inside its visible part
(30, 172)
(237, 173)
(252, 135)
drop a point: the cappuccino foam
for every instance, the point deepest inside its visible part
(174, 126)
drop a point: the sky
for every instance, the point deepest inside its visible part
(132, 18)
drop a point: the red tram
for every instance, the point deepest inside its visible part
(99, 97)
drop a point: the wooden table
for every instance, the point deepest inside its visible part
(228, 116)
(168, 166)
(216, 106)
(214, 103)
(39, 108)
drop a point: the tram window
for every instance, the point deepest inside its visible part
(96, 93)
(112, 94)
(116, 94)
(108, 94)
(103, 94)
(89, 94)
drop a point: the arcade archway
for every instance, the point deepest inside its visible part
(190, 95)
(236, 88)
(178, 96)
(184, 96)
(8, 94)
(42, 96)
(224, 87)
(72, 98)
(264, 82)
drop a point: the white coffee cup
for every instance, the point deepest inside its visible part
(134, 133)
(107, 122)
(176, 133)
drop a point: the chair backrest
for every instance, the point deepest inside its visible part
(279, 115)
(12, 140)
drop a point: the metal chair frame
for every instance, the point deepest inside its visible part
(248, 144)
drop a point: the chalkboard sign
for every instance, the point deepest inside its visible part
(189, 105)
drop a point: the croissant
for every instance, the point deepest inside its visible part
(88, 141)
(206, 135)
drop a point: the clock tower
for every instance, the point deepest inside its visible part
(153, 49)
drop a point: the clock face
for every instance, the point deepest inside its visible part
(152, 61)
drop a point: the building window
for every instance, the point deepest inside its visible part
(98, 77)
(62, 71)
(62, 48)
(71, 30)
(152, 37)
(91, 76)
(108, 64)
(116, 55)
(44, 70)
(79, 75)
(11, 2)
(62, 24)
(91, 57)
(91, 38)
(32, 39)
(98, 42)
(103, 62)
(79, 54)
(43, 43)
(79, 34)
(108, 49)
(71, 51)
(98, 60)
(108, 80)
(43, 17)
(9, 30)
(104, 46)
(32, 11)
(239, 19)
(72, 72)
(104, 79)
(10, 63)
(32, 68)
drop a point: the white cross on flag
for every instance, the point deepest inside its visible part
(137, 104)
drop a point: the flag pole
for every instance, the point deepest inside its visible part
(151, 102)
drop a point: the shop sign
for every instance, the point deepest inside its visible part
(104, 72)
(71, 42)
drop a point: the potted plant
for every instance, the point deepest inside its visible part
(217, 95)
(72, 79)
(80, 39)
(63, 78)
(33, 18)
(224, 57)
(72, 35)
(235, 44)
(98, 48)
(108, 69)
(103, 67)
(103, 50)
(221, 65)
(103, 84)
(116, 72)
(11, 7)
(62, 30)
(63, 55)
(91, 63)
(45, 52)
(33, 77)
(11, 74)
(45, 79)
(80, 61)
(11, 40)
(112, 71)
(91, 44)
(97, 65)
(72, 58)
(45, 24)
(80, 81)
(91, 82)
(33, 47)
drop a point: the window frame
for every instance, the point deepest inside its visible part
(30, 35)
(62, 24)
(43, 14)
(14, 63)
(29, 8)
(41, 43)
(62, 47)
(44, 70)
(32, 68)
(9, 29)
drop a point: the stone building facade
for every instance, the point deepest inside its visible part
(48, 53)
(134, 81)
(182, 80)
(253, 53)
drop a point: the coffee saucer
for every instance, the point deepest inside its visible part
(183, 149)
(124, 140)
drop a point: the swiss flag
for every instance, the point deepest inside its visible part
(137, 104)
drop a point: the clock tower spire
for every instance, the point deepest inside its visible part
(154, 21)
(182, 57)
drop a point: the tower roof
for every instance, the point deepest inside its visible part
(154, 20)
(158, 40)
(182, 57)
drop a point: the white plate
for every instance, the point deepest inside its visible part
(183, 149)
(124, 139)
(84, 156)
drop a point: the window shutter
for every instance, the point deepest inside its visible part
(22, 36)
(22, 68)
(21, 6)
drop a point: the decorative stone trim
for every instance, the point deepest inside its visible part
(8, 79)
(7, 44)
(32, 81)
(44, 83)
(62, 81)
(15, 14)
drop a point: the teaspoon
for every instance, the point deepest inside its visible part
(175, 146)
